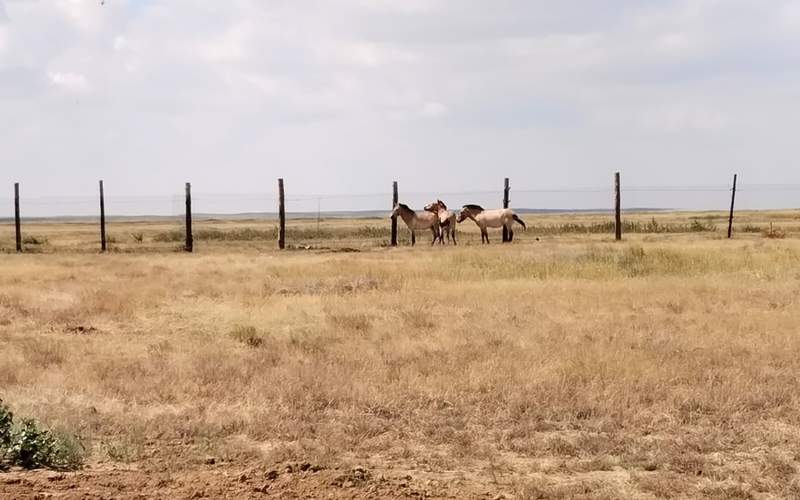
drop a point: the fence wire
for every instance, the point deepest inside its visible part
(299, 204)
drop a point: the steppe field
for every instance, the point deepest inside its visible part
(563, 365)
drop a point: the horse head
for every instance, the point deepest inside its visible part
(400, 209)
(469, 211)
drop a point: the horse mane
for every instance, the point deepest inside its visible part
(474, 207)
(403, 206)
(441, 203)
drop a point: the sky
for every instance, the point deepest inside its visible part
(342, 97)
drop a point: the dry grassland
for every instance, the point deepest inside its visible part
(572, 367)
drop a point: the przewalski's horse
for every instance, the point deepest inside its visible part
(447, 221)
(500, 217)
(416, 221)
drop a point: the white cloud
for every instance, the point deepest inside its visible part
(674, 42)
(684, 119)
(231, 46)
(433, 109)
(121, 43)
(364, 54)
(73, 82)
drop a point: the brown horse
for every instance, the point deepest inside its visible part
(500, 217)
(416, 221)
(447, 221)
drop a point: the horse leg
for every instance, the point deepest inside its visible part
(510, 234)
(487, 236)
(454, 237)
(413, 238)
(435, 235)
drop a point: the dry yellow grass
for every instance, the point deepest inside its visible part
(665, 366)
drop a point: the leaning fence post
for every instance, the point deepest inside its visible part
(617, 210)
(281, 216)
(17, 227)
(395, 200)
(102, 219)
(733, 201)
(505, 205)
(189, 240)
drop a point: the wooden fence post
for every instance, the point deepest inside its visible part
(617, 209)
(733, 201)
(505, 205)
(395, 200)
(281, 216)
(102, 219)
(189, 239)
(17, 227)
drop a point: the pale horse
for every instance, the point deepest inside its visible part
(447, 221)
(417, 221)
(500, 217)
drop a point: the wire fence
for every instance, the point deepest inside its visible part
(63, 223)
(678, 197)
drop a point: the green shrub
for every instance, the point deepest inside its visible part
(6, 420)
(30, 446)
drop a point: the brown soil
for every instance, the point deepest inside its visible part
(213, 480)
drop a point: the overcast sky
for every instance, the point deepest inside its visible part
(443, 96)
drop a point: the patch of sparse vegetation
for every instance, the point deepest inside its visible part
(292, 234)
(636, 227)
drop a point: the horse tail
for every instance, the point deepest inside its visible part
(517, 219)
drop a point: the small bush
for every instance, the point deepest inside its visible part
(247, 335)
(169, 236)
(137, 237)
(775, 234)
(30, 446)
(697, 227)
(34, 240)
(633, 261)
